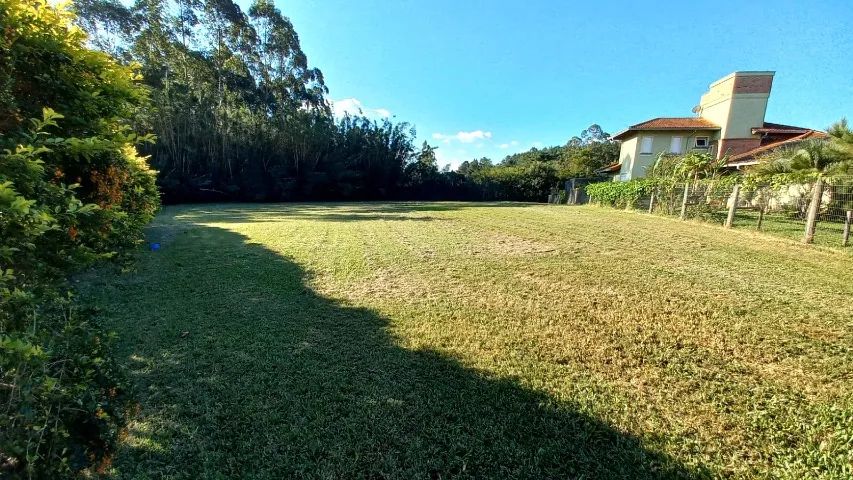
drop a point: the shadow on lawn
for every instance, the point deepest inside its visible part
(330, 212)
(276, 381)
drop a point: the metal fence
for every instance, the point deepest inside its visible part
(819, 212)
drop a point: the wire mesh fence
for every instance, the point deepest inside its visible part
(819, 211)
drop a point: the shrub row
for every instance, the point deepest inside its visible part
(620, 194)
(73, 191)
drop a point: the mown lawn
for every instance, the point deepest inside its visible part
(453, 340)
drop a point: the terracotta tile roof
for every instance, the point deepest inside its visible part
(670, 123)
(748, 158)
(769, 127)
(612, 168)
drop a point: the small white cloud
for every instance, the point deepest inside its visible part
(504, 146)
(469, 137)
(353, 106)
(463, 137)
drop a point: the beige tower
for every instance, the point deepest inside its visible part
(737, 103)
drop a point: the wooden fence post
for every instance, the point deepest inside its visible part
(652, 202)
(848, 219)
(814, 208)
(684, 201)
(733, 207)
(760, 217)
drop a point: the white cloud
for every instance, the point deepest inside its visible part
(463, 137)
(504, 146)
(468, 137)
(353, 106)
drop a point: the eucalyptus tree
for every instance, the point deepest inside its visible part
(237, 109)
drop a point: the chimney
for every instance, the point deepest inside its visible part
(737, 103)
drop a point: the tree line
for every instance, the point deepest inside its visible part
(239, 114)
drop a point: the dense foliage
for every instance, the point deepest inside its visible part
(238, 112)
(73, 190)
(621, 194)
(533, 174)
(526, 176)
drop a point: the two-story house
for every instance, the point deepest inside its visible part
(729, 122)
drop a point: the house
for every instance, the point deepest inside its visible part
(729, 122)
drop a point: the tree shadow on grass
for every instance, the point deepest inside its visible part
(332, 212)
(273, 380)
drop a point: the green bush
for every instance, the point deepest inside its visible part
(72, 191)
(620, 194)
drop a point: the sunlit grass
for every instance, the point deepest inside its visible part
(441, 340)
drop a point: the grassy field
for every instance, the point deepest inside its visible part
(453, 340)
(827, 233)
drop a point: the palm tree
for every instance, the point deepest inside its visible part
(696, 165)
(841, 132)
(842, 140)
(826, 156)
(692, 166)
(821, 157)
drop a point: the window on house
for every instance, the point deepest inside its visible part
(675, 145)
(701, 142)
(646, 145)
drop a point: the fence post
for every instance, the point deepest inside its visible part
(684, 201)
(848, 219)
(814, 208)
(733, 207)
(760, 217)
(652, 202)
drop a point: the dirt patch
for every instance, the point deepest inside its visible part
(387, 283)
(502, 244)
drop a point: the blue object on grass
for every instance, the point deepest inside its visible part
(155, 247)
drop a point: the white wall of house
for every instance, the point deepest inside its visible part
(627, 155)
(640, 152)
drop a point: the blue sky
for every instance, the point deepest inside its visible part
(488, 78)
